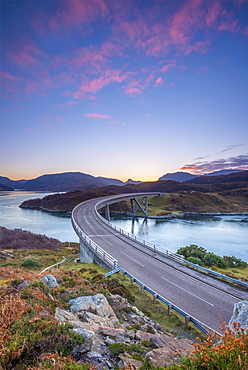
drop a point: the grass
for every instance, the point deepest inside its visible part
(197, 202)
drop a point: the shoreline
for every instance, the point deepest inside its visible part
(65, 213)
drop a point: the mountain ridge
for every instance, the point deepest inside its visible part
(70, 181)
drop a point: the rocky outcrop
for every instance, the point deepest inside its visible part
(240, 315)
(50, 281)
(95, 320)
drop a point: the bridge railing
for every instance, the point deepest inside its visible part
(174, 256)
(156, 296)
(110, 261)
(145, 243)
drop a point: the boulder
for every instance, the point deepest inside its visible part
(95, 308)
(160, 356)
(128, 363)
(50, 281)
(240, 315)
(88, 341)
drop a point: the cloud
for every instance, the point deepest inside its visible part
(97, 84)
(245, 31)
(230, 147)
(70, 103)
(202, 69)
(159, 82)
(168, 66)
(58, 118)
(238, 163)
(97, 115)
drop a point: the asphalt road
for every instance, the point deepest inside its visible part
(202, 297)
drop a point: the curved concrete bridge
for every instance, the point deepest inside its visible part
(202, 297)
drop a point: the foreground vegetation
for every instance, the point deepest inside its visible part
(30, 337)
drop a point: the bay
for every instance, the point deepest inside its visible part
(222, 235)
(14, 217)
(225, 235)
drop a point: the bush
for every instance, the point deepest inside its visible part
(30, 264)
(235, 262)
(211, 259)
(192, 251)
(195, 260)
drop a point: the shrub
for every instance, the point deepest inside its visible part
(195, 260)
(235, 262)
(211, 259)
(192, 251)
(30, 264)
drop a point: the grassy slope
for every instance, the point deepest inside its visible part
(198, 202)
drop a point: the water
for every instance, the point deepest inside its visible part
(14, 217)
(226, 235)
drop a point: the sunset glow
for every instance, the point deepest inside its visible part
(123, 89)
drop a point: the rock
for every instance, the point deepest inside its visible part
(88, 341)
(50, 281)
(118, 334)
(88, 335)
(240, 315)
(96, 308)
(160, 357)
(129, 363)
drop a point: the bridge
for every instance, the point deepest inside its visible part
(199, 297)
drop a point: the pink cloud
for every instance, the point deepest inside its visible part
(132, 91)
(97, 84)
(202, 69)
(239, 162)
(58, 118)
(245, 31)
(159, 82)
(167, 67)
(70, 14)
(97, 115)
(198, 46)
(70, 103)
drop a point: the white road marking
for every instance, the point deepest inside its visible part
(132, 259)
(101, 236)
(188, 291)
(86, 221)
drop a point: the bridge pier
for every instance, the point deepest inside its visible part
(135, 205)
(86, 254)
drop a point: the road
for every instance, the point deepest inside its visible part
(202, 297)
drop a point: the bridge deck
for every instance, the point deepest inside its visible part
(202, 297)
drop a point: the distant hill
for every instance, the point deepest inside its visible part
(177, 176)
(68, 181)
(130, 181)
(5, 187)
(66, 202)
(222, 172)
(237, 177)
(19, 184)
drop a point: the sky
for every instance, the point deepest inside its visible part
(123, 89)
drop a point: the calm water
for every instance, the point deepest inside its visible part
(226, 235)
(13, 217)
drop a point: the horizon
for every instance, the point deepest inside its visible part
(131, 89)
(152, 180)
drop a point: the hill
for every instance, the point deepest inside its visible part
(66, 202)
(5, 187)
(177, 176)
(237, 177)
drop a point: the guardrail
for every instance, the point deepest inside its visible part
(56, 264)
(151, 246)
(156, 296)
(104, 256)
(166, 253)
